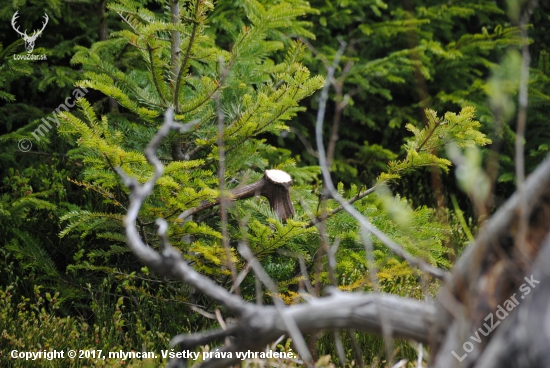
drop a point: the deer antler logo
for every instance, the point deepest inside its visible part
(29, 40)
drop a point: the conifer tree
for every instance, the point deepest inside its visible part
(33, 189)
(150, 66)
(231, 98)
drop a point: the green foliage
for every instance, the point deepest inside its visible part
(416, 230)
(399, 61)
(32, 324)
(256, 96)
(452, 129)
(503, 88)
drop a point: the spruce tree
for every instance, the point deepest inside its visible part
(247, 93)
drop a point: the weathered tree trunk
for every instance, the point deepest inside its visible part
(489, 273)
(274, 185)
(523, 338)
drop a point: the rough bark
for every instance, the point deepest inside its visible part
(491, 270)
(523, 338)
(262, 325)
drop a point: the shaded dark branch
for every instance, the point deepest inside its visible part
(183, 67)
(103, 36)
(341, 103)
(175, 41)
(224, 200)
(430, 133)
(218, 86)
(103, 30)
(153, 74)
(207, 98)
(274, 244)
(176, 148)
(304, 141)
(522, 115)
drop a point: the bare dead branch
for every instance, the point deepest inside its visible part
(523, 338)
(341, 207)
(262, 325)
(191, 341)
(363, 221)
(169, 262)
(304, 141)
